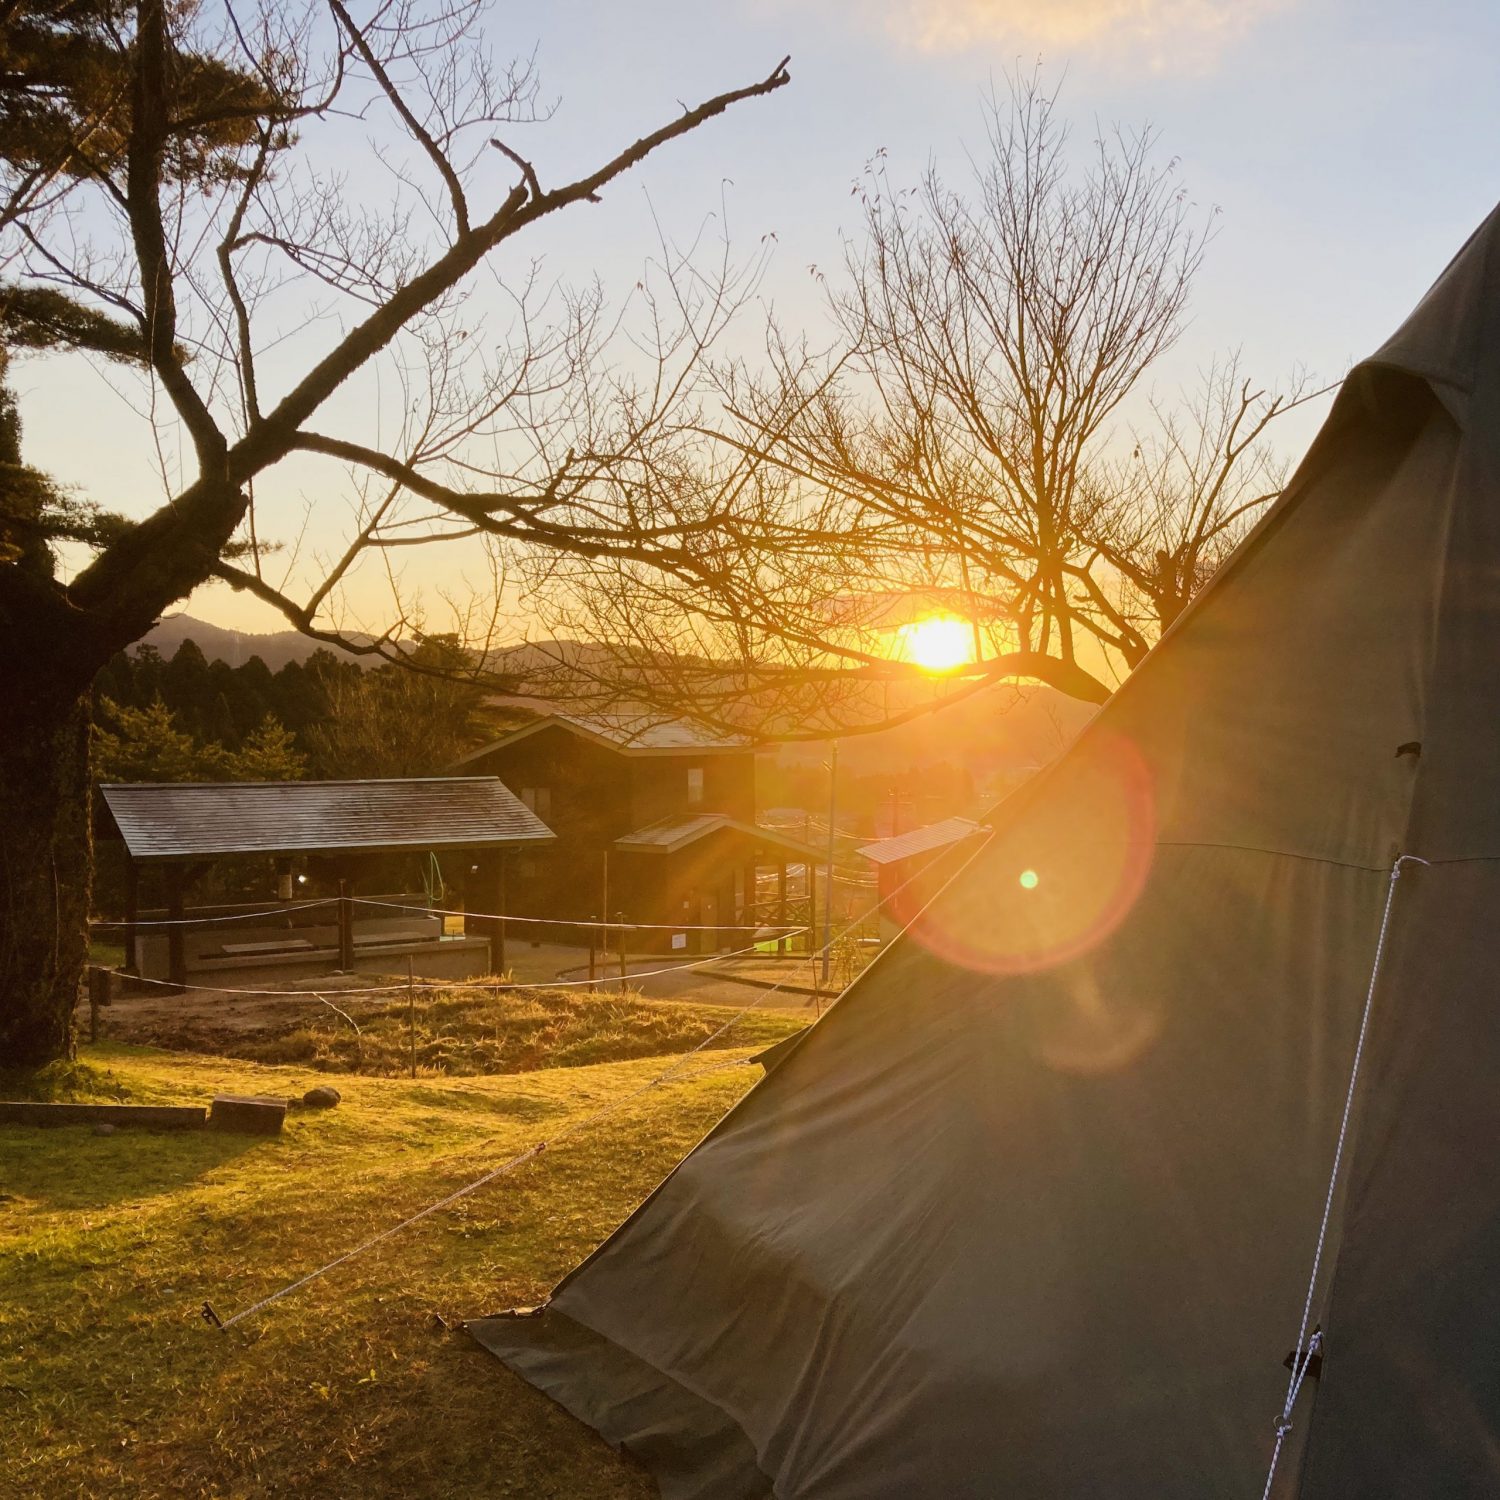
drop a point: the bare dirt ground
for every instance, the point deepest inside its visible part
(208, 1015)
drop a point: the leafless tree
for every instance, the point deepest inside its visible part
(275, 303)
(970, 416)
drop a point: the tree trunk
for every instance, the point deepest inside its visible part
(46, 862)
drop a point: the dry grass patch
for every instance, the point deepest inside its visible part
(458, 1032)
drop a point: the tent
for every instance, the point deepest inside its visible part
(1035, 1210)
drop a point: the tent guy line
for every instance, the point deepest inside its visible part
(503, 1170)
(495, 916)
(440, 911)
(469, 984)
(239, 916)
(506, 1167)
(1305, 1348)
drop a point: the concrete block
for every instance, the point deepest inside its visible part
(248, 1116)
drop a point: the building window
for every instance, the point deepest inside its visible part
(695, 786)
(539, 800)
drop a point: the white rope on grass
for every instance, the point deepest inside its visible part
(503, 1170)
(1304, 1350)
(508, 1166)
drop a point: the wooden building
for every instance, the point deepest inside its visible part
(340, 836)
(654, 823)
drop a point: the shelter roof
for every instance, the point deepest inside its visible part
(921, 840)
(199, 820)
(630, 734)
(667, 835)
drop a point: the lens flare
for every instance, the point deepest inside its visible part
(1058, 880)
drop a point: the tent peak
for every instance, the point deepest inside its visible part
(1447, 339)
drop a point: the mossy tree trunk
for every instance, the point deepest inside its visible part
(46, 857)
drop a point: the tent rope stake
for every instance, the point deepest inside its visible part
(1306, 1349)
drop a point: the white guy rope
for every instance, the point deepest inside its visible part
(508, 1166)
(1305, 1348)
(773, 931)
(242, 916)
(462, 984)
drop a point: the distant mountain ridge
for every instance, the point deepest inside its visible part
(276, 648)
(1001, 728)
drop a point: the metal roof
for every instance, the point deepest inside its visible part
(630, 734)
(921, 840)
(198, 820)
(667, 835)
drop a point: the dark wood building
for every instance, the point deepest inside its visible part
(340, 833)
(654, 822)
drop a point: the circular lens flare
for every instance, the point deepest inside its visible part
(1057, 881)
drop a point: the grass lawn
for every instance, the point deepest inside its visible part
(111, 1383)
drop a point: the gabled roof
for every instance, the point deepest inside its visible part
(667, 835)
(198, 820)
(921, 840)
(630, 734)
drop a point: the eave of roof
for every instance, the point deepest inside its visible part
(934, 836)
(164, 822)
(668, 835)
(596, 732)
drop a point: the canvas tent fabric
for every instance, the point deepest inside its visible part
(1031, 1212)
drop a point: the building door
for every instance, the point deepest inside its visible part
(708, 920)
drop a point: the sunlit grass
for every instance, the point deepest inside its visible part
(110, 1382)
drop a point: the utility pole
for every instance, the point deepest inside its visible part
(833, 802)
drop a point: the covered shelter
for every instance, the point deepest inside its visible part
(173, 831)
(1156, 1160)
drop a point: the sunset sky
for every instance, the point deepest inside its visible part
(1350, 147)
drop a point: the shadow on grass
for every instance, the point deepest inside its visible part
(476, 1101)
(69, 1167)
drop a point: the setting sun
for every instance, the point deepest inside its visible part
(938, 643)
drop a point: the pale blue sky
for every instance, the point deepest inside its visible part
(1350, 147)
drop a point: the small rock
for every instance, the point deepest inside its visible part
(104, 1128)
(321, 1097)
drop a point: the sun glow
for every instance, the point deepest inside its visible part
(938, 643)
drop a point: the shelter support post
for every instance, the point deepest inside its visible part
(497, 937)
(485, 892)
(176, 934)
(781, 907)
(812, 913)
(346, 928)
(132, 917)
